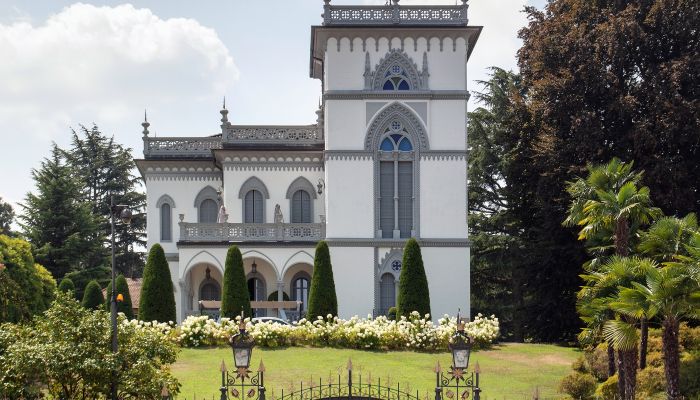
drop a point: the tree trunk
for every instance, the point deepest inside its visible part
(611, 360)
(643, 340)
(622, 231)
(630, 358)
(620, 375)
(671, 358)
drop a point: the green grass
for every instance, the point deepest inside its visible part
(509, 371)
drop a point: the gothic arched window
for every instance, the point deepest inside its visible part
(300, 290)
(395, 79)
(253, 207)
(208, 211)
(387, 293)
(396, 182)
(166, 205)
(301, 207)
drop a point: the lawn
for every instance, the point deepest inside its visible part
(509, 371)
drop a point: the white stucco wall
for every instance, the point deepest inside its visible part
(349, 198)
(354, 280)
(443, 199)
(447, 270)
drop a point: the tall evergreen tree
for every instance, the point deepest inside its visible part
(93, 298)
(106, 168)
(322, 297)
(58, 224)
(157, 295)
(413, 283)
(235, 297)
(125, 305)
(7, 216)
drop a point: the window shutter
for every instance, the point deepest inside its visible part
(257, 207)
(305, 207)
(386, 198)
(405, 198)
(387, 293)
(248, 207)
(296, 207)
(165, 223)
(208, 211)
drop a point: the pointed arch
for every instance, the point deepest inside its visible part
(253, 183)
(165, 199)
(203, 257)
(207, 192)
(406, 116)
(397, 62)
(301, 183)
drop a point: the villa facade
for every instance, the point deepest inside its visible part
(386, 161)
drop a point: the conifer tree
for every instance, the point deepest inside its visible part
(125, 305)
(235, 295)
(413, 284)
(322, 297)
(7, 215)
(58, 224)
(93, 298)
(66, 286)
(157, 295)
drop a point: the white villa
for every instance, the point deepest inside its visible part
(386, 161)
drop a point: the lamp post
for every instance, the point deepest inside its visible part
(124, 214)
(457, 377)
(242, 347)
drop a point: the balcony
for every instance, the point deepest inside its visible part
(241, 232)
(279, 135)
(437, 15)
(180, 147)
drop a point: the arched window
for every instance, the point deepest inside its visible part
(300, 290)
(209, 291)
(166, 226)
(257, 292)
(208, 211)
(253, 207)
(395, 79)
(387, 293)
(301, 207)
(396, 182)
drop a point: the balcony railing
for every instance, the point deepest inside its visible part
(241, 232)
(275, 135)
(395, 15)
(183, 147)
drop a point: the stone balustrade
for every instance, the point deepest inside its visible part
(394, 14)
(183, 147)
(243, 232)
(270, 134)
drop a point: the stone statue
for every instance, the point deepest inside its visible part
(278, 214)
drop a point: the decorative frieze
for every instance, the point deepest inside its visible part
(180, 147)
(393, 14)
(268, 134)
(242, 232)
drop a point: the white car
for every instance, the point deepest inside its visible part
(270, 319)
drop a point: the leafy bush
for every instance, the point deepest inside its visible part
(125, 307)
(689, 338)
(597, 361)
(651, 380)
(690, 373)
(391, 314)
(608, 389)
(66, 286)
(579, 386)
(322, 297)
(157, 296)
(413, 283)
(416, 332)
(93, 298)
(66, 353)
(235, 297)
(101, 274)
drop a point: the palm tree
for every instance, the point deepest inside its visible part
(602, 286)
(670, 293)
(610, 210)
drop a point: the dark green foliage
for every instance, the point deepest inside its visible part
(235, 297)
(107, 168)
(66, 286)
(273, 296)
(157, 295)
(93, 298)
(57, 222)
(101, 274)
(322, 298)
(391, 314)
(7, 215)
(123, 289)
(413, 284)
(26, 288)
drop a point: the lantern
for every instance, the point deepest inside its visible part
(460, 347)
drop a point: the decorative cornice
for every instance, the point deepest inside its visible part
(172, 256)
(184, 176)
(348, 155)
(394, 243)
(443, 155)
(397, 95)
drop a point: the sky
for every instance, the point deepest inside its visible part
(64, 64)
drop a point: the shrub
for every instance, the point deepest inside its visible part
(690, 373)
(66, 353)
(322, 298)
(391, 314)
(413, 283)
(157, 296)
(93, 298)
(235, 297)
(125, 307)
(597, 360)
(650, 381)
(273, 296)
(688, 337)
(66, 286)
(101, 274)
(608, 389)
(579, 386)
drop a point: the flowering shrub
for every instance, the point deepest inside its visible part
(415, 333)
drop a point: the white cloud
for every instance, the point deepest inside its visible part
(101, 61)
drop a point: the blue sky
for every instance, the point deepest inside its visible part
(64, 63)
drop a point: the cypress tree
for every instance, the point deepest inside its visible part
(66, 286)
(93, 298)
(124, 306)
(413, 284)
(322, 298)
(157, 295)
(235, 295)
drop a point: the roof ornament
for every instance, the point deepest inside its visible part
(145, 124)
(224, 113)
